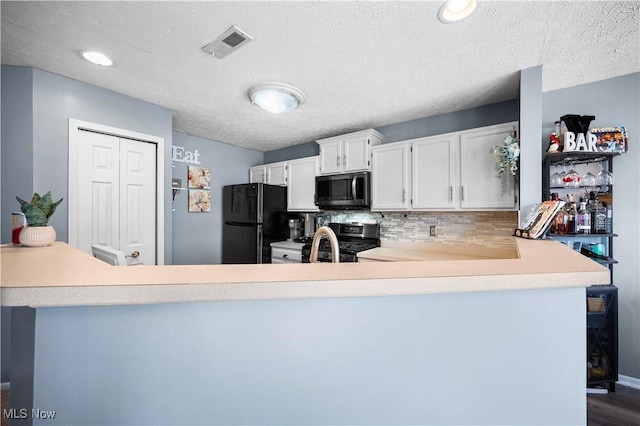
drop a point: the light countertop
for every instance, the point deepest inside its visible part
(397, 251)
(61, 275)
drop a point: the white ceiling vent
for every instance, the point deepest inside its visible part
(227, 42)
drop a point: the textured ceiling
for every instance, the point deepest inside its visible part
(361, 64)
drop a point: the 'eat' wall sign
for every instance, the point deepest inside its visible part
(181, 155)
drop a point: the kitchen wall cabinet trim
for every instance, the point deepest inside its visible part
(348, 153)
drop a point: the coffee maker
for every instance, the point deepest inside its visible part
(295, 229)
(309, 224)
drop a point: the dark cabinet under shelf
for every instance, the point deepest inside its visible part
(602, 336)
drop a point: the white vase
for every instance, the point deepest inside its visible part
(37, 236)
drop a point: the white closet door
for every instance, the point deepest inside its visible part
(98, 190)
(138, 199)
(116, 192)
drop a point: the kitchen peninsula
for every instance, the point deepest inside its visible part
(461, 341)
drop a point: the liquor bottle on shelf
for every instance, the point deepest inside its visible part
(583, 218)
(558, 224)
(571, 215)
(609, 222)
(598, 214)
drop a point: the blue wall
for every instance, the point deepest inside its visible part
(36, 107)
(54, 100)
(426, 359)
(486, 115)
(16, 154)
(197, 237)
(614, 102)
(16, 149)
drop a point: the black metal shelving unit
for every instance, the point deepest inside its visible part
(602, 325)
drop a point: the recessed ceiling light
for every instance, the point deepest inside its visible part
(97, 58)
(456, 10)
(276, 97)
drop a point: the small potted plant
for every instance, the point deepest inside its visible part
(38, 232)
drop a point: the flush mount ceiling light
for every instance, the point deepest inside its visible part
(97, 58)
(456, 10)
(276, 97)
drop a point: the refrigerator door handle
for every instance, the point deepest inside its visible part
(259, 244)
(260, 200)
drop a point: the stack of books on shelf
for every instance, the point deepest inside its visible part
(539, 220)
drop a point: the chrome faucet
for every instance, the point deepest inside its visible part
(335, 249)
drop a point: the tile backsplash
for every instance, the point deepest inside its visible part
(484, 229)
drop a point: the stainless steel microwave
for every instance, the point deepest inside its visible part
(343, 191)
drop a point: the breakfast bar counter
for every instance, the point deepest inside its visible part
(493, 340)
(61, 275)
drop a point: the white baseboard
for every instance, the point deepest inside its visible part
(631, 382)
(5, 386)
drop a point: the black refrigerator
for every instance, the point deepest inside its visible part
(254, 216)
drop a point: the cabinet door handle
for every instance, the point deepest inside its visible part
(337, 160)
(284, 256)
(344, 160)
(404, 195)
(462, 193)
(450, 194)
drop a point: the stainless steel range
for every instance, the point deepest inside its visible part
(352, 238)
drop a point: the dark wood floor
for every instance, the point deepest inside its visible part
(619, 408)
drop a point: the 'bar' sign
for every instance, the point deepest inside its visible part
(579, 143)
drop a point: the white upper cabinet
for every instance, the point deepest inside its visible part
(258, 174)
(277, 173)
(348, 153)
(434, 168)
(480, 188)
(390, 177)
(454, 171)
(330, 157)
(301, 184)
(273, 174)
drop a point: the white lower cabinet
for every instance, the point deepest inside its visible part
(286, 252)
(453, 171)
(301, 184)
